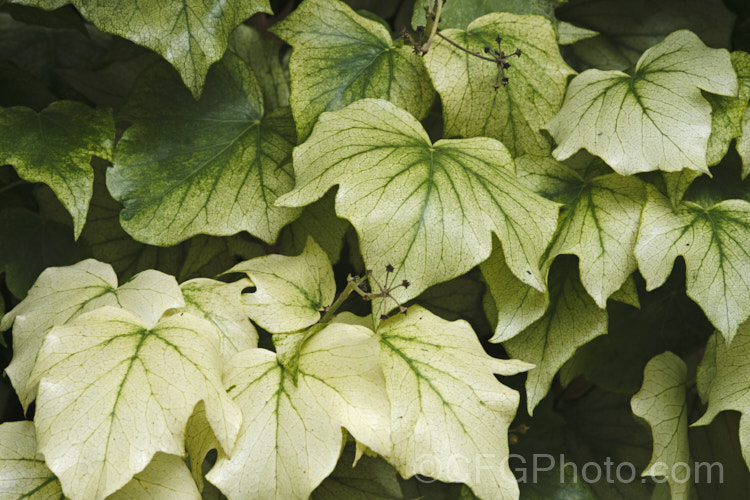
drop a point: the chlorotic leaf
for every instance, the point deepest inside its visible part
(627, 293)
(340, 57)
(449, 414)
(318, 221)
(288, 347)
(743, 143)
(627, 29)
(290, 291)
(166, 477)
(473, 105)
(56, 146)
(137, 387)
(568, 34)
(724, 382)
(599, 222)
(571, 320)
(677, 183)
(727, 112)
(190, 34)
(430, 208)
(214, 166)
(23, 473)
(655, 119)
(63, 293)
(220, 304)
(291, 435)
(661, 403)
(715, 243)
(199, 441)
(199, 256)
(517, 305)
(261, 53)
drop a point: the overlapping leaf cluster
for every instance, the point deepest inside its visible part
(590, 217)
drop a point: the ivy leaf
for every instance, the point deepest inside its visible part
(448, 411)
(599, 222)
(723, 377)
(291, 291)
(145, 383)
(717, 444)
(24, 473)
(431, 208)
(220, 304)
(56, 146)
(513, 113)
(655, 119)
(627, 29)
(318, 221)
(340, 57)
(616, 361)
(677, 183)
(108, 84)
(29, 244)
(214, 166)
(166, 477)
(199, 256)
(190, 34)
(261, 53)
(371, 479)
(568, 34)
(714, 242)
(725, 183)
(516, 305)
(44, 51)
(20, 88)
(288, 347)
(459, 298)
(291, 435)
(62, 18)
(661, 403)
(594, 427)
(727, 112)
(383, 8)
(557, 483)
(460, 14)
(743, 143)
(63, 293)
(572, 319)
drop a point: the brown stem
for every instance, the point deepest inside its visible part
(433, 26)
(475, 54)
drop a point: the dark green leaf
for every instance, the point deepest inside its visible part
(190, 34)
(340, 56)
(29, 244)
(215, 166)
(628, 27)
(55, 147)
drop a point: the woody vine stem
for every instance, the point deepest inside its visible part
(497, 56)
(362, 286)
